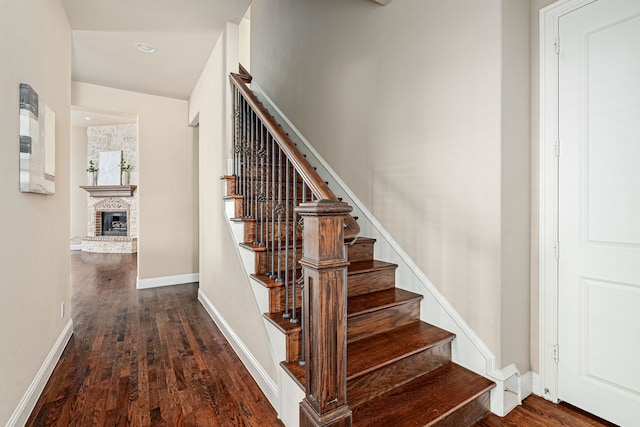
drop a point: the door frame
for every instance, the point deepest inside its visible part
(548, 211)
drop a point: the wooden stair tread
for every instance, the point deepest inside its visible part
(282, 323)
(367, 266)
(270, 282)
(382, 349)
(362, 240)
(262, 248)
(374, 301)
(424, 401)
(373, 352)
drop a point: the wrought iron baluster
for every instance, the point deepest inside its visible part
(256, 165)
(236, 114)
(252, 168)
(287, 224)
(245, 159)
(261, 240)
(294, 225)
(279, 211)
(272, 202)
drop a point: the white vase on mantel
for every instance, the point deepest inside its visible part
(124, 178)
(93, 178)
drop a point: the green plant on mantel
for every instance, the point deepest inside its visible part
(92, 167)
(124, 166)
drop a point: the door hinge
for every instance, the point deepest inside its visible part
(556, 250)
(556, 43)
(556, 148)
(556, 353)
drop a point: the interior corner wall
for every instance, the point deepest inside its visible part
(35, 47)
(78, 174)
(405, 103)
(222, 278)
(168, 177)
(515, 184)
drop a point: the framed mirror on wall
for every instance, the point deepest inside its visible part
(37, 143)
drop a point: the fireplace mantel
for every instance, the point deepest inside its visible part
(110, 190)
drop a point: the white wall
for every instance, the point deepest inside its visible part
(422, 108)
(245, 40)
(222, 279)
(168, 177)
(35, 48)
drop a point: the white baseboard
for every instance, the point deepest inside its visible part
(264, 381)
(536, 384)
(76, 247)
(157, 282)
(30, 398)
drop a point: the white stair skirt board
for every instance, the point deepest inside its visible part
(157, 282)
(468, 349)
(31, 396)
(266, 384)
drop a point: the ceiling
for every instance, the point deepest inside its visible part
(105, 34)
(83, 118)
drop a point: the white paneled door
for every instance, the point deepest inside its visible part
(599, 210)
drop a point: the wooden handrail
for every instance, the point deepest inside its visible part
(307, 172)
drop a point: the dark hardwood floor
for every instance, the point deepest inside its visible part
(154, 358)
(538, 412)
(145, 358)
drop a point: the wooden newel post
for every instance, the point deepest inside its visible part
(325, 278)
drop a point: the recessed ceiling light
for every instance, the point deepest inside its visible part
(87, 118)
(145, 47)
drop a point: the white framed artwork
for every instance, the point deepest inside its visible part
(109, 173)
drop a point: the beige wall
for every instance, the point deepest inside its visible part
(422, 107)
(35, 48)
(78, 174)
(222, 278)
(168, 177)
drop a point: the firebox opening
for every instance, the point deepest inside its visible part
(114, 224)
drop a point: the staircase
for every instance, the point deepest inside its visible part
(398, 368)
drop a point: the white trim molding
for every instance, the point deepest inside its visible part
(76, 247)
(264, 381)
(548, 310)
(157, 282)
(31, 396)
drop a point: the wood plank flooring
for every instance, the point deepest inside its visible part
(538, 412)
(154, 358)
(145, 358)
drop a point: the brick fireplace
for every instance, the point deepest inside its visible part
(120, 237)
(118, 200)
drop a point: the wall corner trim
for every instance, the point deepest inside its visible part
(31, 396)
(157, 282)
(264, 381)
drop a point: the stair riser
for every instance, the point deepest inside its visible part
(277, 298)
(360, 252)
(468, 414)
(383, 320)
(388, 377)
(294, 345)
(371, 281)
(265, 210)
(264, 230)
(264, 260)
